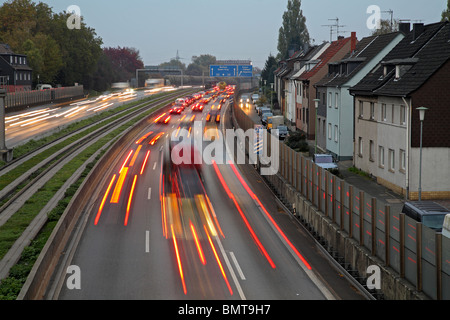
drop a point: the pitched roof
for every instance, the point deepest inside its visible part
(364, 52)
(419, 58)
(328, 54)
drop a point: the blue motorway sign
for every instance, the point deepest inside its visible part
(245, 71)
(231, 71)
(223, 71)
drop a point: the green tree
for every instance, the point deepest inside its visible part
(446, 13)
(269, 68)
(386, 27)
(293, 34)
(200, 65)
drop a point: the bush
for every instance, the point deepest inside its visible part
(297, 142)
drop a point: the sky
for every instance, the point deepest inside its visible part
(229, 29)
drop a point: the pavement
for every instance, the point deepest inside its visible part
(366, 184)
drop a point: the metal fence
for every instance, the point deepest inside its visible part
(28, 98)
(417, 253)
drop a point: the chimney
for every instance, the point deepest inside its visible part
(353, 42)
(404, 27)
(418, 29)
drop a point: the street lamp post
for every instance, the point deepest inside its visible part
(316, 101)
(422, 118)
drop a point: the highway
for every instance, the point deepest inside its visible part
(41, 120)
(160, 231)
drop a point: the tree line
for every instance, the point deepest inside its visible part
(59, 55)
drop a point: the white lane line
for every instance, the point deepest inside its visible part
(147, 241)
(154, 166)
(238, 268)
(149, 195)
(233, 275)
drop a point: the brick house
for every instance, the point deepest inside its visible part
(416, 73)
(315, 71)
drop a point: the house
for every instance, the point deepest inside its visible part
(335, 113)
(315, 70)
(15, 68)
(416, 73)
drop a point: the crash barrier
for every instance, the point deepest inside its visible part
(414, 260)
(15, 100)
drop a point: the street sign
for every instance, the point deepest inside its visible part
(231, 71)
(223, 71)
(245, 71)
(258, 139)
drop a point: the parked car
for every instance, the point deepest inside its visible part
(283, 132)
(429, 213)
(446, 226)
(325, 161)
(265, 116)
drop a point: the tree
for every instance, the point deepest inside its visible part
(293, 34)
(386, 27)
(125, 61)
(200, 65)
(446, 13)
(269, 68)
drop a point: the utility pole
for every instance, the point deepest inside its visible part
(7, 154)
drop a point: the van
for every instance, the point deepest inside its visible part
(43, 87)
(429, 213)
(446, 226)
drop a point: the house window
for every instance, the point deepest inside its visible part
(329, 131)
(324, 128)
(391, 160)
(372, 111)
(402, 115)
(393, 114)
(381, 156)
(336, 133)
(402, 160)
(372, 151)
(330, 96)
(360, 147)
(336, 96)
(361, 109)
(383, 112)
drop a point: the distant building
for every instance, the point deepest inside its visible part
(15, 68)
(416, 73)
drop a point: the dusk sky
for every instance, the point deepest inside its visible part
(232, 29)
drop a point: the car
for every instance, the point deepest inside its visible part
(176, 110)
(325, 161)
(265, 116)
(283, 132)
(164, 118)
(429, 213)
(446, 226)
(197, 107)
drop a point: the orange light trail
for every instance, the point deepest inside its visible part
(159, 118)
(180, 268)
(100, 209)
(252, 194)
(126, 160)
(144, 137)
(218, 261)
(253, 234)
(156, 138)
(135, 155)
(119, 185)
(145, 162)
(197, 243)
(129, 200)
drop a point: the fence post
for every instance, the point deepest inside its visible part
(387, 235)
(402, 245)
(350, 211)
(419, 256)
(361, 218)
(438, 266)
(342, 211)
(374, 226)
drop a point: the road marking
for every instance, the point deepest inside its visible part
(154, 166)
(149, 195)
(230, 269)
(147, 241)
(238, 268)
